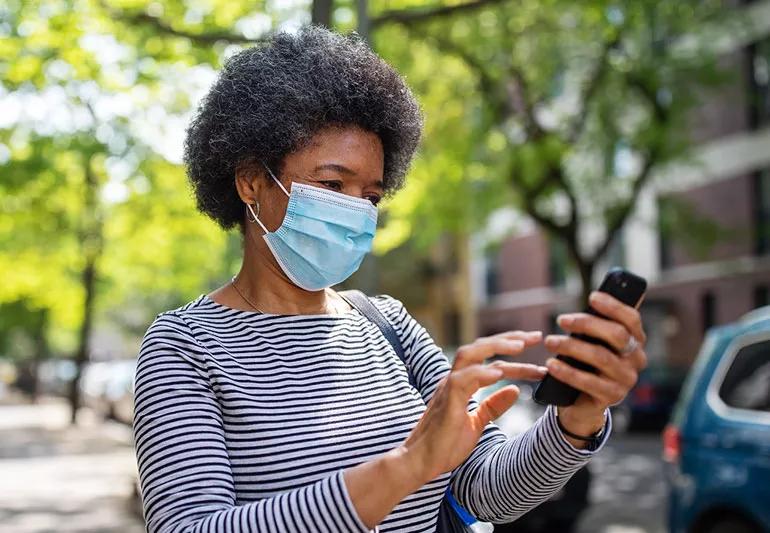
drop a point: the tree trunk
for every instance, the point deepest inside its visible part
(91, 246)
(81, 356)
(364, 24)
(321, 12)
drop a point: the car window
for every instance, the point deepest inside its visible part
(710, 343)
(747, 382)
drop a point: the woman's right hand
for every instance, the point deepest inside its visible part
(447, 432)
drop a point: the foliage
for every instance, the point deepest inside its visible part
(563, 109)
(89, 102)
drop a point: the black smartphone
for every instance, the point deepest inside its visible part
(624, 286)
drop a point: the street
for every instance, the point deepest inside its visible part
(61, 479)
(628, 491)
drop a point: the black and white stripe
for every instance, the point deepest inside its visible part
(245, 422)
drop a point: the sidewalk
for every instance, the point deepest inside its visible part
(54, 478)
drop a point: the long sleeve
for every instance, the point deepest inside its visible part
(184, 467)
(502, 478)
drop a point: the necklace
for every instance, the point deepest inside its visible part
(232, 282)
(243, 296)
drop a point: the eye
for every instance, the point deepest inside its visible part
(373, 198)
(332, 184)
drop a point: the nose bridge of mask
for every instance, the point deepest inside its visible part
(313, 204)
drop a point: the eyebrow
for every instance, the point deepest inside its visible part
(344, 170)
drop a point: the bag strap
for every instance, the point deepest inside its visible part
(361, 301)
(364, 305)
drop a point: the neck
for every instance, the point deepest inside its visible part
(267, 287)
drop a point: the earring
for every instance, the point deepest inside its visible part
(250, 211)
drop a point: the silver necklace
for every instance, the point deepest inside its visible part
(232, 282)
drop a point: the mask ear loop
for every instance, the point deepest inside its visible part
(250, 210)
(254, 216)
(276, 180)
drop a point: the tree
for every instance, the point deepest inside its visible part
(574, 109)
(93, 212)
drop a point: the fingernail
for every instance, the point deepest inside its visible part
(550, 362)
(552, 341)
(565, 320)
(517, 345)
(534, 335)
(542, 369)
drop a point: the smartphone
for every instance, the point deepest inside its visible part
(624, 286)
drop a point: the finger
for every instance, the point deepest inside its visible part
(496, 404)
(607, 363)
(529, 338)
(611, 332)
(520, 370)
(468, 380)
(638, 358)
(604, 390)
(481, 349)
(616, 310)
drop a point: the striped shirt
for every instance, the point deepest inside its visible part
(245, 422)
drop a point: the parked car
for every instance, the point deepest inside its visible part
(717, 446)
(108, 388)
(649, 404)
(559, 513)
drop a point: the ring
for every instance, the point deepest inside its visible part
(632, 345)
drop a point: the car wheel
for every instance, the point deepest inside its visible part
(730, 525)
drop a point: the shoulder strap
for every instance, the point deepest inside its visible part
(365, 306)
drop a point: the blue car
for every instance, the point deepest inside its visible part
(717, 446)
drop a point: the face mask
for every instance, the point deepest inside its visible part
(324, 235)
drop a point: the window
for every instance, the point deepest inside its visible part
(759, 83)
(747, 382)
(491, 274)
(761, 296)
(762, 212)
(557, 262)
(708, 304)
(665, 230)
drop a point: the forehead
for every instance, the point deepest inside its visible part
(348, 151)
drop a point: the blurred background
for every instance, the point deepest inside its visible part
(561, 138)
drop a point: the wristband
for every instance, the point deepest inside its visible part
(593, 439)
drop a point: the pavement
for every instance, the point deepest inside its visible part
(57, 478)
(628, 492)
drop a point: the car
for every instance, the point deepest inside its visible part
(717, 445)
(649, 404)
(560, 512)
(107, 387)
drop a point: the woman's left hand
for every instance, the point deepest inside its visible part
(617, 372)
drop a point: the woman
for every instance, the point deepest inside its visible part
(272, 405)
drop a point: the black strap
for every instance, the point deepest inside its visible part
(365, 306)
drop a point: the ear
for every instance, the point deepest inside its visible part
(249, 181)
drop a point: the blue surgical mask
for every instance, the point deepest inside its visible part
(324, 236)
